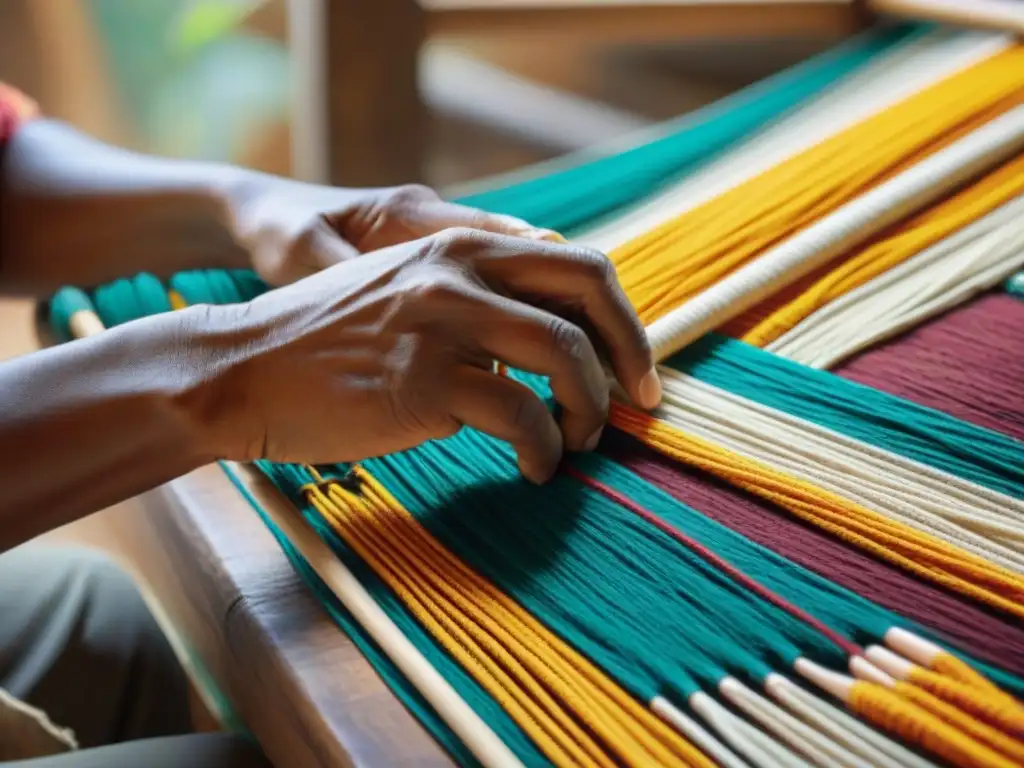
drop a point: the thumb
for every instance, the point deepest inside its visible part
(317, 249)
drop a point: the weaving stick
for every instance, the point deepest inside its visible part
(1004, 15)
(478, 737)
(827, 238)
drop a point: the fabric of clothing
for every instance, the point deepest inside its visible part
(88, 676)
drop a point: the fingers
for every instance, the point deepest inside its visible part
(509, 411)
(581, 279)
(533, 340)
(412, 211)
(442, 215)
(523, 337)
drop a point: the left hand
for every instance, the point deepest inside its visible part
(293, 230)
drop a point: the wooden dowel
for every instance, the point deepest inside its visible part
(478, 737)
(836, 232)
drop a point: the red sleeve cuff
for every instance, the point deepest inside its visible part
(15, 109)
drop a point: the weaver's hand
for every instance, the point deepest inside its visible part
(380, 353)
(293, 230)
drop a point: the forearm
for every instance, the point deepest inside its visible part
(88, 424)
(76, 211)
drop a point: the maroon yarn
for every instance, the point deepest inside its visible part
(968, 363)
(996, 639)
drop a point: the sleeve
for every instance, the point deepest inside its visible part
(15, 109)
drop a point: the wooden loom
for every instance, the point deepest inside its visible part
(306, 694)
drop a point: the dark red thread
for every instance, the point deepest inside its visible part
(726, 567)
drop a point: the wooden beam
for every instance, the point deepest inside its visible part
(642, 21)
(376, 120)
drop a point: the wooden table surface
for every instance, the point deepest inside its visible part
(295, 678)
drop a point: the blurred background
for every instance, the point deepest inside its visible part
(475, 87)
(380, 92)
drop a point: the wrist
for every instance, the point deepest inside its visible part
(212, 346)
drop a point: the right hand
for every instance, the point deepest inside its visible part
(381, 353)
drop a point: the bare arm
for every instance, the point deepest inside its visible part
(88, 424)
(74, 210)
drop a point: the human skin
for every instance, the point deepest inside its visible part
(393, 306)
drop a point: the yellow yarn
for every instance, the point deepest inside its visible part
(953, 667)
(895, 714)
(176, 300)
(672, 263)
(963, 721)
(994, 707)
(573, 712)
(961, 209)
(913, 550)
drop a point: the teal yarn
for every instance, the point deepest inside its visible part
(217, 286)
(578, 195)
(1015, 285)
(879, 419)
(129, 299)
(63, 305)
(583, 566)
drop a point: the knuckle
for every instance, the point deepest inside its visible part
(567, 340)
(457, 243)
(597, 266)
(412, 193)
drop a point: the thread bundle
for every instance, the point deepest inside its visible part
(602, 620)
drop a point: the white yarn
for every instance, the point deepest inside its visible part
(984, 522)
(837, 232)
(889, 78)
(976, 258)
(800, 737)
(880, 750)
(696, 733)
(758, 747)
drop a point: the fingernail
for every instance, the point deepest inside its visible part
(554, 237)
(536, 233)
(591, 442)
(650, 390)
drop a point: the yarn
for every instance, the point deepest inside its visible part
(940, 278)
(970, 517)
(875, 417)
(958, 210)
(895, 714)
(890, 76)
(1015, 285)
(921, 554)
(968, 364)
(994, 639)
(481, 621)
(576, 195)
(673, 262)
(62, 306)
